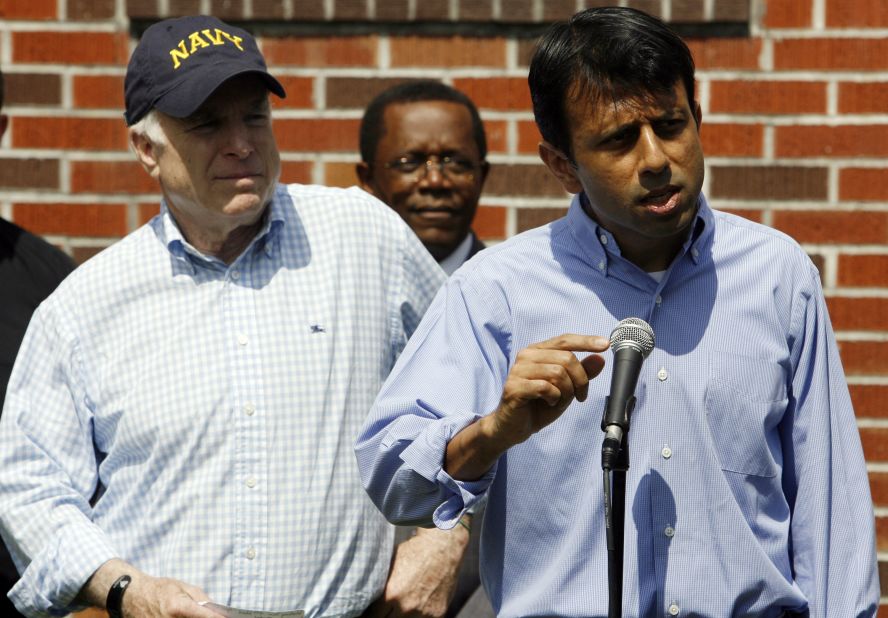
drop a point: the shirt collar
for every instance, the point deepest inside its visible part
(185, 253)
(600, 246)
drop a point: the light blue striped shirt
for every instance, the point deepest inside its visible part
(747, 491)
(215, 408)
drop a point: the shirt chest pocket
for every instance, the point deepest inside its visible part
(745, 401)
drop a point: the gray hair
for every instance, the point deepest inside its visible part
(149, 127)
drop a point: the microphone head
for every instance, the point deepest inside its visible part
(634, 333)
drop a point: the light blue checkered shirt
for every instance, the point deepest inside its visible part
(747, 491)
(214, 408)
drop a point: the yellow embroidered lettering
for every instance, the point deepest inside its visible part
(234, 39)
(196, 41)
(177, 54)
(215, 40)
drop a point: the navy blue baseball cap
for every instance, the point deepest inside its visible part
(180, 62)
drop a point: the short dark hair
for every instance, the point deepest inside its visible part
(610, 52)
(372, 125)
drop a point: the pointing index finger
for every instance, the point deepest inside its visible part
(575, 343)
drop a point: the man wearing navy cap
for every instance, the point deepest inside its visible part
(178, 428)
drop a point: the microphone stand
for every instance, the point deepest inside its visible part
(615, 463)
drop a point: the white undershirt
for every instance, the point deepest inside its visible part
(458, 256)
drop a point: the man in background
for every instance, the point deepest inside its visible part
(179, 420)
(30, 269)
(423, 151)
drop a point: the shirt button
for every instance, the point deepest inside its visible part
(251, 553)
(669, 531)
(662, 374)
(674, 609)
(249, 409)
(603, 239)
(658, 299)
(695, 253)
(235, 274)
(251, 482)
(601, 265)
(666, 452)
(242, 339)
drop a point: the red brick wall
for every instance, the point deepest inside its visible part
(795, 126)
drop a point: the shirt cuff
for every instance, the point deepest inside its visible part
(425, 456)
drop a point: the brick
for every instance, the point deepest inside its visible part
(732, 140)
(875, 444)
(831, 54)
(882, 541)
(146, 8)
(558, 10)
(81, 254)
(857, 14)
(819, 263)
(319, 52)
(500, 93)
(309, 10)
(753, 214)
(833, 227)
(768, 182)
(71, 47)
(529, 137)
(296, 171)
(731, 11)
(268, 9)
(147, 211)
(526, 49)
(103, 220)
(651, 7)
(688, 11)
(864, 358)
(357, 92)
(529, 218)
(475, 10)
(33, 89)
(111, 177)
(497, 135)
(69, 133)
(184, 7)
(879, 488)
(869, 400)
(392, 10)
(300, 92)
(518, 11)
(430, 11)
(340, 174)
(767, 97)
(317, 135)
(883, 585)
(29, 173)
(490, 222)
(862, 271)
(98, 92)
(787, 14)
(863, 184)
(522, 180)
(227, 9)
(413, 51)
(863, 97)
(825, 141)
(727, 53)
(356, 10)
(32, 9)
(849, 313)
(90, 10)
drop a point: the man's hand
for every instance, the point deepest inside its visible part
(545, 378)
(423, 575)
(146, 596)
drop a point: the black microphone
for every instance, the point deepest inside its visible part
(631, 341)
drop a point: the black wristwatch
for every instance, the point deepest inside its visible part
(114, 602)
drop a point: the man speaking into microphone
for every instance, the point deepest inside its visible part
(747, 493)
